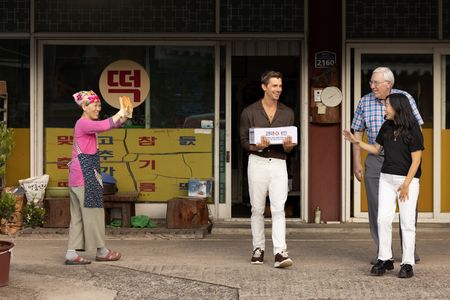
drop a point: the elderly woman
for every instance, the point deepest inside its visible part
(87, 223)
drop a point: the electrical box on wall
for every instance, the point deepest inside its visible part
(325, 105)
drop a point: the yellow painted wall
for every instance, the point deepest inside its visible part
(18, 164)
(426, 180)
(445, 171)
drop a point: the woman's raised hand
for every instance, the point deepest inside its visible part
(349, 136)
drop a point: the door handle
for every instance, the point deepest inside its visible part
(227, 156)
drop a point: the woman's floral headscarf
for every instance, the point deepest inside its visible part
(86, 97)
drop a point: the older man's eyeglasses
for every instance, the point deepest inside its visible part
(376, 83)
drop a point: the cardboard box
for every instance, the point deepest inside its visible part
(275, 134)
(199, 188)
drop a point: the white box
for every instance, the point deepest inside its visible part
(199, 188)
(276, 135)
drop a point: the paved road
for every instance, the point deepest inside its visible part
(330, 262)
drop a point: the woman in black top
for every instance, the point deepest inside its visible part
(401, 140)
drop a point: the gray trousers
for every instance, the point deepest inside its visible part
(87, 225)
(372, 172)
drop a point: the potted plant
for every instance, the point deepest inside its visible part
(7, 210)
(33, 215)
(7, 201)
(6, 145)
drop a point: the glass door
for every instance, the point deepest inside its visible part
(414, 74)
(443, 207)
(246, 89)
(246, 61)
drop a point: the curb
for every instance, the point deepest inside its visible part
(191, 233)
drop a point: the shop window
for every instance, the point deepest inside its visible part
(15, 16)
(15, 71)
(125, 16)
(252, 16)
(413, 74)
(15, 74)
(161, 147)
(446, 18)
(392, 19)
(181, 82)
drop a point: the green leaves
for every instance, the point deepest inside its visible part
(7, 205)
(6, 146)
(33, 215)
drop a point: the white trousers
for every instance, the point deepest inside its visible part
(387, 196)
(268, 175)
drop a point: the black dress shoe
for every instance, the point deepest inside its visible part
(406, 271)
(381, 266)
(374, 260)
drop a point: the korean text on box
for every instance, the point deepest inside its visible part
(199, 188)
(276, 135)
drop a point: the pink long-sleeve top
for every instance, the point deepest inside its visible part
(85, 134)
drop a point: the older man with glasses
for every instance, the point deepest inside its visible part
(369, 116)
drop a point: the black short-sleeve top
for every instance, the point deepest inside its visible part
(397, 151)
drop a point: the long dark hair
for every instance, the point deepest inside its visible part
(404, 119)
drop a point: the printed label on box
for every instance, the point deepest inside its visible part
(276, 135)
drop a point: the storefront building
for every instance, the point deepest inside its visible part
(192, 66)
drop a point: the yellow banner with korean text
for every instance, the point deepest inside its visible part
(157, 163)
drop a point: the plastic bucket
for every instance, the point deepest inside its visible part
(5, 256)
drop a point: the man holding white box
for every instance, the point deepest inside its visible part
(267, 172)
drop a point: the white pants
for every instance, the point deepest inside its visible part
(268, 175)
(387, 197)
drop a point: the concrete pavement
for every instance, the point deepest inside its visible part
(330, 262)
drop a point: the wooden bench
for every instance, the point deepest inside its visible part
(125, 202)
(58, 209)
